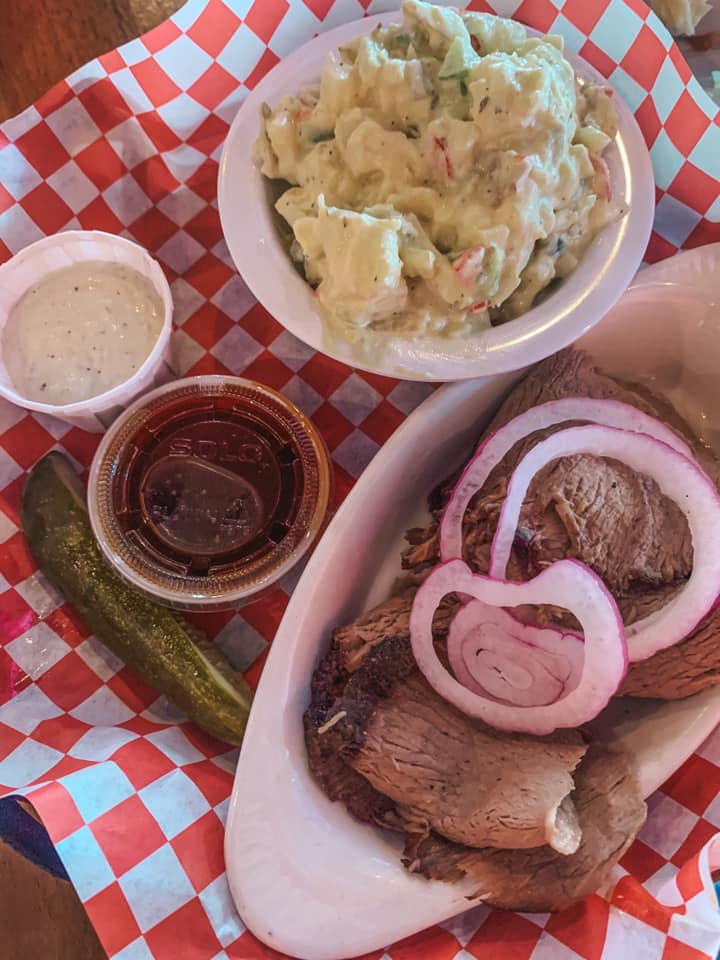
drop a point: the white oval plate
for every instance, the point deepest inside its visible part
(245, 203)
(308, 879)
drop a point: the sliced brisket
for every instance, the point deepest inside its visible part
(679, 671)
(388, 619)
(530, 823)
(601, 512)
(446, 772)
(610, 809)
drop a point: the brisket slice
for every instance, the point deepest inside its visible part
(445, 771)
(388, 619)
(610, 809)
(601, 512)
(679, 671)
(597, 510)
(350, 645)
(611, 517)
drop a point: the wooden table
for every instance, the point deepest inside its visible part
(42, 41)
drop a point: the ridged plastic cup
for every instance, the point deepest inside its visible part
(207, 491)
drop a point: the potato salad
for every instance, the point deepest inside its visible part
(444, 173)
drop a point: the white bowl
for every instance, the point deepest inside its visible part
(247, 217)
(307, 878)
(62, 250)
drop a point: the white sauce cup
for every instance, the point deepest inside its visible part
(32, 264)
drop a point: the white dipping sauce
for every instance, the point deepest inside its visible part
(81, 331)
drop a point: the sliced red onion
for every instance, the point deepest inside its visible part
(612, 413)
(498, 656)
(679, 478)
(566, 584)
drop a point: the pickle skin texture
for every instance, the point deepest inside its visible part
(191, 672)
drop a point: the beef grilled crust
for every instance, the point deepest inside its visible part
(337, 779)
(384, 667)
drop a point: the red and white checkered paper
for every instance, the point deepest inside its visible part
(134, 797)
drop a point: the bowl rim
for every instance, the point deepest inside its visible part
(604, 272)
(101, 402)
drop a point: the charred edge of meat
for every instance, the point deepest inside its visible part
(387, 664)
(328, 682)
(342, 784)
(524, 546)
(339, 782)
(440, 494)
(392, 617)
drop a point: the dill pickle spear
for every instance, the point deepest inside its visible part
(190, 670)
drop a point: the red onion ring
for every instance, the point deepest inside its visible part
(612, 413)
(679, 478)
(567, 584)
(498, 656)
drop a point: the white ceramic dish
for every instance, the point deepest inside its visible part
(62, 250)
(247, 218)
(308, 879)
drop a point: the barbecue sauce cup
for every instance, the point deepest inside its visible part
(208, 490)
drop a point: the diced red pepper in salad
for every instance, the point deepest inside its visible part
(470, 262)
(440, 144)
(602, 168)
(477, 307)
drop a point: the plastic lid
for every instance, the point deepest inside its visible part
(208, 490)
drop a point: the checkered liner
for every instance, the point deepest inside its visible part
(133, 796)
